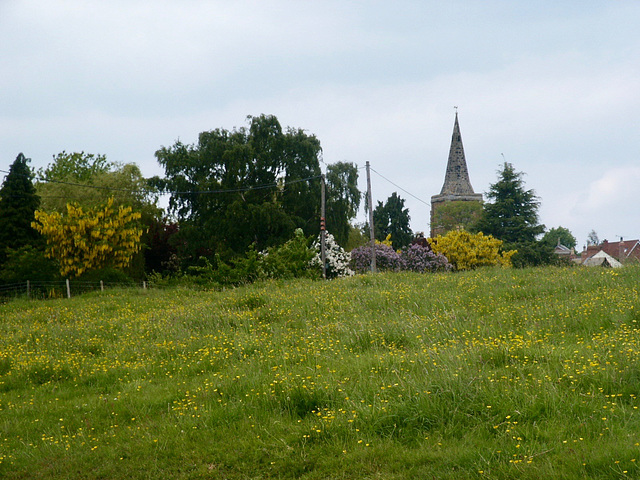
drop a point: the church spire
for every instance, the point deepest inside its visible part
(457, 205)
(456, 180)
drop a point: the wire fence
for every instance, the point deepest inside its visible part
(62, 288)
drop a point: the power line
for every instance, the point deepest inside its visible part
(398, 186)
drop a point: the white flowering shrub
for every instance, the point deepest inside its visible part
(337, 259)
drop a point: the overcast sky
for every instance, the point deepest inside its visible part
(551, 87)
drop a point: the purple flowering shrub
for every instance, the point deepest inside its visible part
(421, 259)
(415, 258)
(387, 259)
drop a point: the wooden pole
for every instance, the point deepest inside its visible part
(68, 289)
(28, 289)
(371, 232)
(323, 248)
(101, 286)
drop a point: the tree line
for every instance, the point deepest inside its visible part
(234, 191)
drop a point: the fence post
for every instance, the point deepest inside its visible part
(144, 284)
(101, 286)
(28, 289)
(68, 289)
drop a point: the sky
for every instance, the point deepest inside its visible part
(550, 87)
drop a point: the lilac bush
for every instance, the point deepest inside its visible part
(421, 259)
(387, 259)
(414, 258)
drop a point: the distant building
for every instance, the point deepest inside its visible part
(602, 259)
(624, 251)
(457, 200)
(566, 254)
(563, 251)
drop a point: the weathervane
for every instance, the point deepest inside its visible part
(455, 107)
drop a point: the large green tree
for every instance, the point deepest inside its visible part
(18, 202)
(246, 186)
(559, 235)
(392, 218)
(76, 166)
(343, 199)
(90, 181)
(511, 215)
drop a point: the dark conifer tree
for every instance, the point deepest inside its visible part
(393, 218)
(18, 202)
(512, 217)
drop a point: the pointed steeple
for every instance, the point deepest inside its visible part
(456, 190)
(456, 180)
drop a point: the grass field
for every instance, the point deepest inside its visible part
(490, 374)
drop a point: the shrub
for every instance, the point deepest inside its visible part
(337, 260)
(290, 260)
(387, 259)
(467, 251)
(421, 259)
(242, 270)
(111, 276)
(28, 263)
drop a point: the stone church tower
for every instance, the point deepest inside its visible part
(457, 205)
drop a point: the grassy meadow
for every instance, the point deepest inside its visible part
(489, 374)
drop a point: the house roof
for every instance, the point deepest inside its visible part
(602, 259)
(622, 250)
(561, 250)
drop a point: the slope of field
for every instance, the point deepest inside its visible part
(488, 374)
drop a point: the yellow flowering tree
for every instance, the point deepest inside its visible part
(84, 240)
(467, 251)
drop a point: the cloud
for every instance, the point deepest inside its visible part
(616, 188)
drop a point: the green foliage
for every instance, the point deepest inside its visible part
(343, 199)
(230, 161)
(28, 263)
(18, 202)
(90, 180)
(513, 215)
(358, 236)
(289, 260)
(108, 276)
(391, 218)
(457, 214)
(531, 254)
(559, 235)
(76, 166)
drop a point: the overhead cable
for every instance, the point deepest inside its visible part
(398, 186)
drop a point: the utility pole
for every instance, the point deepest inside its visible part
(323, 252)
(373, 237)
